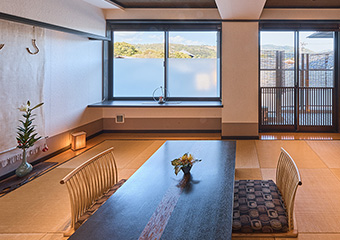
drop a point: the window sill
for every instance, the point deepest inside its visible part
(148, 104)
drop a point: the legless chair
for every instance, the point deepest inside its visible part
(263, 209)
(90, 183)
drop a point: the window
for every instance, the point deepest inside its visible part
(193, 64)
(138, 63)
(181, 62)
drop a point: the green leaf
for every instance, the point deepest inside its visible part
(21, 129)
(39, 105)
(21, 136)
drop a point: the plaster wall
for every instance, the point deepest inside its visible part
(74, 14)
(73, 79)
(240, 78)
(163, 112)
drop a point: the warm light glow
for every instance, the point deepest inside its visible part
(78, 140)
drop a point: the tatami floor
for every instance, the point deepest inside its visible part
(40, 209)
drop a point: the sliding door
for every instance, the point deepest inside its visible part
(277, 81)
(316, 81)
(297, 90)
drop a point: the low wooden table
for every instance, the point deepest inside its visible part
(156, 204)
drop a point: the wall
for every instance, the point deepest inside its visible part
(72, 73)
(184, 119)
(73, 79)
(240, 79)
(74, 14)
(239, 115)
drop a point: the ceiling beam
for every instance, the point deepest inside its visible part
(114, 3)
(240, 9)
(31, 22)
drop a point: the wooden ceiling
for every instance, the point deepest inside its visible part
(165, 3)
(302, 4)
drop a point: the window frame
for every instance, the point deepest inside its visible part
(165, 27)
(297, 26)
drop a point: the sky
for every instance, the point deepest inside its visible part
(188, 38)
(287, 39)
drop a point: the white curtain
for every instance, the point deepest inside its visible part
(21, 79)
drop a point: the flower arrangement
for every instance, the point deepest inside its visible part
(26, 136)
(186, 161)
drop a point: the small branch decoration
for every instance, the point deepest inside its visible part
(26, 136)
(187, 160)
(34, 44)
(2, 46)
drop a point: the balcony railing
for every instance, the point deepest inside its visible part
(315, 106)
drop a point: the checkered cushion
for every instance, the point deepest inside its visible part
(258, 207)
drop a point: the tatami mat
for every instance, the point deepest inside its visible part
(304, 157)
(336, 172)
(269, 173)
(37, 207)
(328, 151)
(248, 173)
(313, 236)
(246, 156)
(40, 209)
(317, 201)
(32, 236)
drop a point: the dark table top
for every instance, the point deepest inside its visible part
(156, 204)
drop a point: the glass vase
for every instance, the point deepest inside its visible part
(24, 168)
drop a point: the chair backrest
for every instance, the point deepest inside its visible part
(90, 181)
(287, 180)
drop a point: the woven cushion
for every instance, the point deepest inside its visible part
(258, 208)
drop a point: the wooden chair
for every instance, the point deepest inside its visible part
(287, 181)
(90, 184)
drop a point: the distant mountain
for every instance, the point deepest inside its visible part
(275, 47)
(195, 51)
(282, 48)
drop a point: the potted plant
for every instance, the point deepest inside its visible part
(26, 137)
(185, 163)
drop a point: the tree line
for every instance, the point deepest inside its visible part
(156, 50)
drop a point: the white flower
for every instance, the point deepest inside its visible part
(23, 107)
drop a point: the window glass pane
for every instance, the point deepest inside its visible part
(316, 59)
(192, 65)
(277, 59)
(138, 63)
(316, 78)
(277, 68)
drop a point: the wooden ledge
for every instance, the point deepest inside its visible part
(290, 234)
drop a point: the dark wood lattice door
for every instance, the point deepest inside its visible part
(297, 91)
